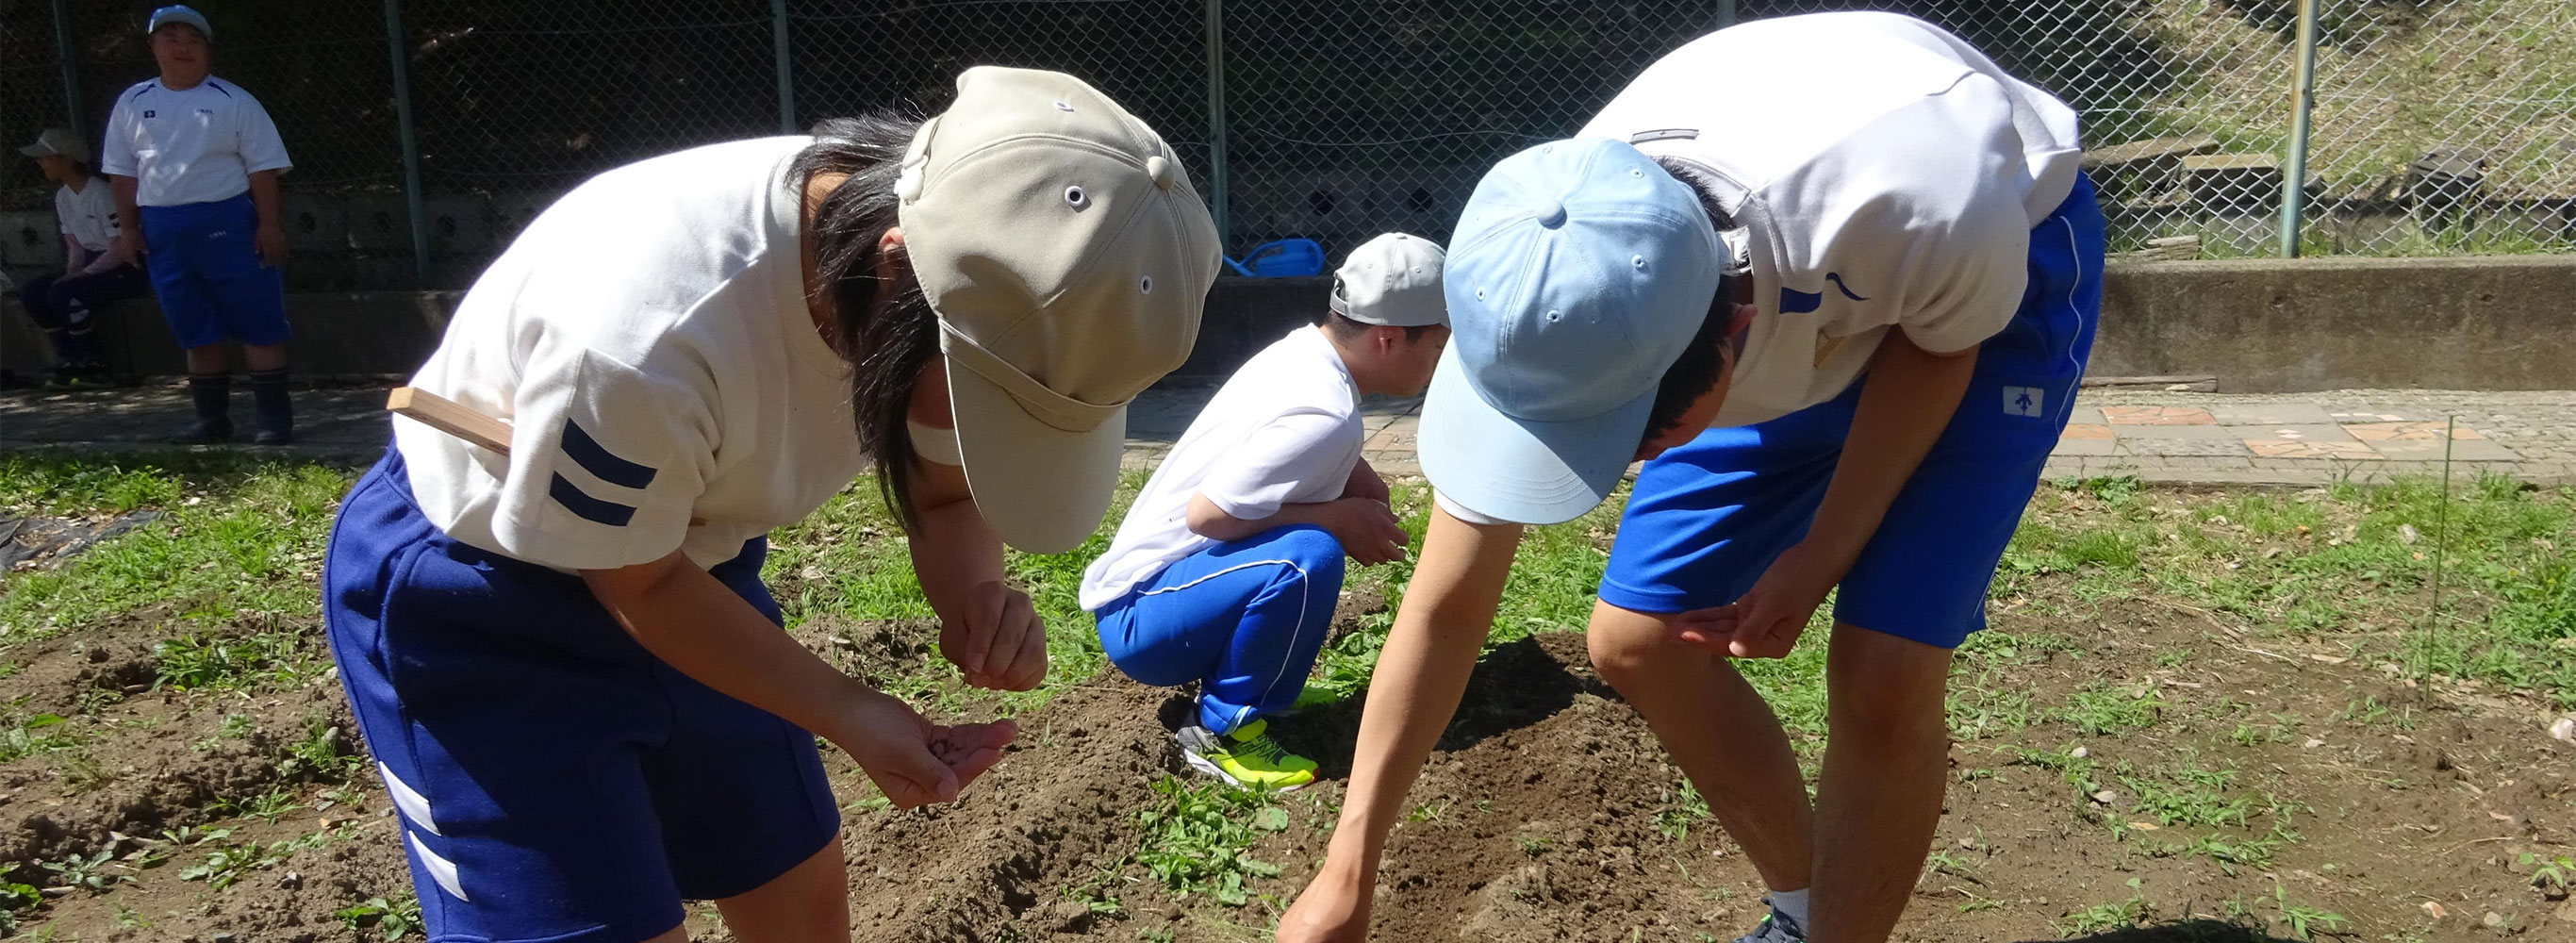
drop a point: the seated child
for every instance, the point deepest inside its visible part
(1227, 567)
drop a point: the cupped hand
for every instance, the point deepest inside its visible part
(1767, 620)
(916, 762)
(1367, 531)
(998, 641)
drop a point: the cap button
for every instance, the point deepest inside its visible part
(1159, 169)
(1552, 215)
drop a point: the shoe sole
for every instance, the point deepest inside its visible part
(1208, 766)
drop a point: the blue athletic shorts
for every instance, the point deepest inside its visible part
(1244, 618)
(207, 275)
(1705, 519)
(556, 781)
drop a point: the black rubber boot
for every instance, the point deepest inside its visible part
(271, 407)
(213, 395)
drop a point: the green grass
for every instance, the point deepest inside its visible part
(239, 541)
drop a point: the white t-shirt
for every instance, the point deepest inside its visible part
(89, 217)
(1285, 429)
(647, 338)
(1888, 175)
(198, 145)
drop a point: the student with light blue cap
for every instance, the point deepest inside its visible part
(1841, 320)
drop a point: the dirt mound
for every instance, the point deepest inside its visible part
(1058, 808)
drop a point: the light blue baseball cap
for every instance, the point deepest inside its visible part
(179, 14)
(1577, 274)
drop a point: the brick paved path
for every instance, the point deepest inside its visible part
(2284, 438)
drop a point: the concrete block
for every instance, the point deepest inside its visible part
(315, 224)
(31, 239)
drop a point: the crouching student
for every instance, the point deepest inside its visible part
(1227, 567)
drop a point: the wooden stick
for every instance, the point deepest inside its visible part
(443, 414)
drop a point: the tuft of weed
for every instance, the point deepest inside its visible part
(1199, 835)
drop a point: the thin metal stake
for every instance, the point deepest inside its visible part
(2441, 541)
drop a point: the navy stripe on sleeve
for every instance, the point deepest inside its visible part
(595, 459)
(588, 508)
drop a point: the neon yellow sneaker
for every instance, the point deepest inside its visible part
(1246, 758)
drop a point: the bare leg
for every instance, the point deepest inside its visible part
(1719, 731)
(260, 357)
(1878, 801)
(206, 360)
(808, 904)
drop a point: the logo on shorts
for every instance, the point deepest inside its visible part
(2024, 400)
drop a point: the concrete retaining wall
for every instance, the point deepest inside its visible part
(2490, 323)
(2271, 326)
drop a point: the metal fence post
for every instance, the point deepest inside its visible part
(1725, 13)
(2294, 176)
(1216, 121)
(786, 73)
(414, 205)
(69, 54)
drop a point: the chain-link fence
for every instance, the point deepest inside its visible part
(2438, 125)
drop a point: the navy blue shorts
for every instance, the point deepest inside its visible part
(207, 275)
(556, 781)
(1705, 519)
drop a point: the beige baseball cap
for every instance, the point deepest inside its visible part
(1069, 259)
(58, 141)
(1392, 280)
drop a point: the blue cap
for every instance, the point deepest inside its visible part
(1577, 274)
(179, 14)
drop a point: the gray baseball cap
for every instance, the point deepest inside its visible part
(179, 14)
(1392, 280)
(58, 141)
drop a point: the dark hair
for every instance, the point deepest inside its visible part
(1346, 330)
(1696, 371)
(884, 328)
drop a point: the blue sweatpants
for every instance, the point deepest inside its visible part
(207, 274)
(1705, 519)
(1244, 619)
(557, 782)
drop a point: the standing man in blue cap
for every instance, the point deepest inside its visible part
(194, 162)
(1843, 319)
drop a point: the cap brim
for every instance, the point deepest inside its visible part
(37, 150)
(1516, 469)
(1041, 489)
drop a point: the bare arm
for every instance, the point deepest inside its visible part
(1904, 405)
(1413, 692)
(271, 236)
(688, 619)
(129, 219)
(75, 256)
(989, 630)
(1365, 528)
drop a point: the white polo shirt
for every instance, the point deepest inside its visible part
(1888, 175)
(647, 339)
(197, 145)
(89, 216)
(1285, 429)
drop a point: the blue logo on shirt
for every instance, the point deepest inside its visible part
(149, 113)
(1837, 279)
